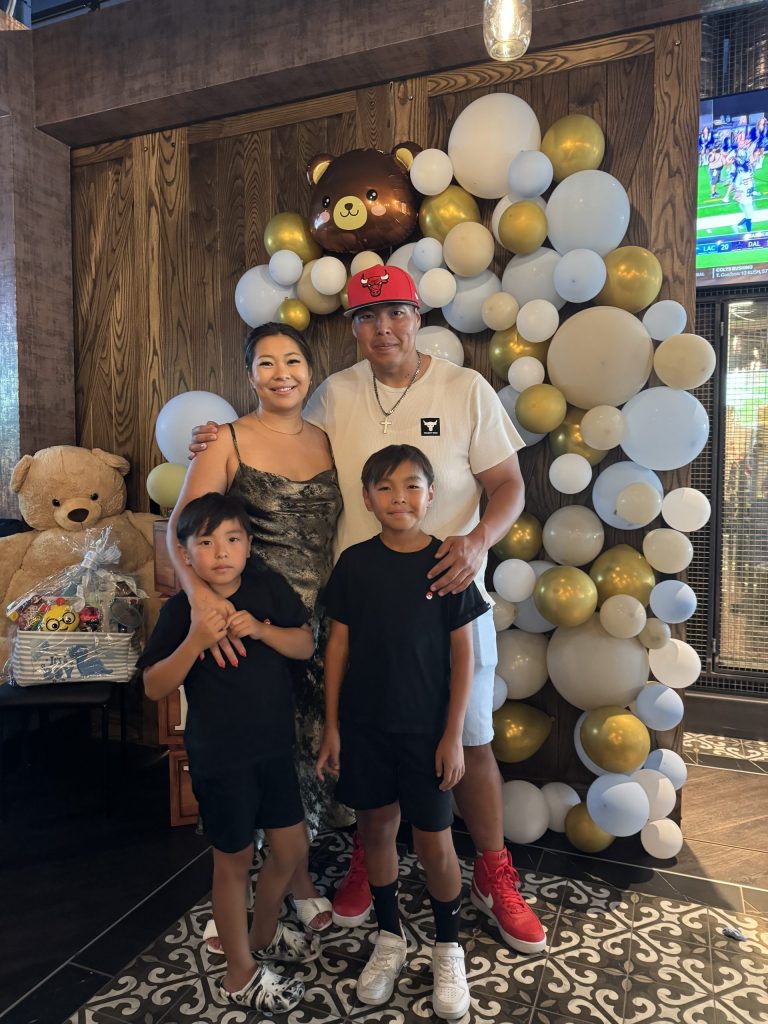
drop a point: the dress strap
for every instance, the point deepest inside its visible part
(234, 442)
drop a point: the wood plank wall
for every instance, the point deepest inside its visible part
(165, 224)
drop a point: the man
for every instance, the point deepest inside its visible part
(396, 396)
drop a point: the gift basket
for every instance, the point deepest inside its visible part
(82, 624)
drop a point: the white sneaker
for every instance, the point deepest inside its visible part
(375, 984)
(450, 992)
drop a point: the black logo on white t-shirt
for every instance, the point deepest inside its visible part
(430, 426)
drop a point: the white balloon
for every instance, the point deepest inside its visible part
(508, 397)
(560, 799)
(258, 298)
(514, 579)
(664, 318)
(522, 662)
(570, 473)
(672, 601)
(173, 429)
(676, 664)
(686, 509)
(364, 261)
(573, 535)
(526, 812)
(530, 277)
(485, 138)
(499, 311)
(530, 173)
(499, 692)
(588, 210)
(427, 254)
(611, 482)
(602, 427)
(504, 203)
(617, 804)
(285, 267)
(662, 839)
(525, 372)
(431, 172)
(664, 428)
(668, 763)
(529, 618)
(659, 790)
(437, 287)
(623, 616)
(668, 551)
(659, 707)
(328, 275)
(654, 634)
(504, 612)
(579, 275)
(464, 313)
(440, 342)
(537, 320)
(638, 503)
(403, 258)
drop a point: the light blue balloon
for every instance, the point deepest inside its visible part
(579, 275)
(618, 805)
(659, 707)
(669, 763)
(673, 601)
(664, 428)
(173, 429)
(609, 484)
(530, 173)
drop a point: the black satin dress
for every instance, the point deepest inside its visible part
(293, 524)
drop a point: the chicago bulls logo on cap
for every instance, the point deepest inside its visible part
(380, 284)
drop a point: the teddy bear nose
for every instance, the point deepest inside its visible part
(348, 206)
(78, 515)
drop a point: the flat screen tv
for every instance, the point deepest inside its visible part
(732, 201)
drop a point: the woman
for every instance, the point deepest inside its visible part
(282, 469)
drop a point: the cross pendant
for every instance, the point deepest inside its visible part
(385, 423)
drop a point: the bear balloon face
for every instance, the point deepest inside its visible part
(362, 199)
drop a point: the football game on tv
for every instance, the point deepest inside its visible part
(732, 202)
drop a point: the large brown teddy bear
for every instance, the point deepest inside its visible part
(362, 199)
(68, 495)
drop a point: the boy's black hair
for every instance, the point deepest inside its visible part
(271, 330)
(205, 514)
(386, 460)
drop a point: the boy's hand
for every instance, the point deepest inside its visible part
(207, 628)
(242, 624)
(204, 600)
(328, 758)
(449, 761)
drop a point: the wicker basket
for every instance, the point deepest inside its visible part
(43, 658)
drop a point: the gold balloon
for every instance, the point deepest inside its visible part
(314, 300)
(615, 739)
(522, 541)
(438, 214)
(583, 833)
(518, 731)
(567, 439)
(507, 346)
(565, 596)
(622, 570)
(523, 227)
(541, 408)
(574, 143)
(294, 313)
(291, 231)
(633, 279)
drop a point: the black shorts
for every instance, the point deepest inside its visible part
(379, 768)
(261, 795)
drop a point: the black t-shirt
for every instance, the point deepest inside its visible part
(398, 676)
(235, 716)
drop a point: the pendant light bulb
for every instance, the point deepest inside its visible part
(507, 28)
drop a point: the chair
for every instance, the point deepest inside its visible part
(62, 695)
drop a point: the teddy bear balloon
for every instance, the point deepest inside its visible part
(362, 199)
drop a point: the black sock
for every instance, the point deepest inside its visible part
(447, 918)
(385, 907)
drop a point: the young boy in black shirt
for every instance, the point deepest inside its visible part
(398, 671)
(239, 736)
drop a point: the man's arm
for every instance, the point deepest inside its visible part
(460, 557)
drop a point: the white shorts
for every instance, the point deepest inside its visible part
(478, 723)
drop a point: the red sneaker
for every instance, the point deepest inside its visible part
(352, 902)
(495, 892)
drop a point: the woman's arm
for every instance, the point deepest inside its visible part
(207, 627)
(290, 641)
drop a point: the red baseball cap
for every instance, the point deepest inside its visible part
(380, 284)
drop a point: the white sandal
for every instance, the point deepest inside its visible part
(311, 908)
(210, 932)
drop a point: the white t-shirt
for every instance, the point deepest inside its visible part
(451, 413)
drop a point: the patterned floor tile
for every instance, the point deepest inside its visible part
(734, 972)
(602, 943)
(142, 995)
(753, 926)
(596, 900)
(581, 993)
(664, 920)
(658, 1002)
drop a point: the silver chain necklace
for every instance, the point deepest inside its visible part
(386, 422)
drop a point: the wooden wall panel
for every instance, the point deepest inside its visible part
(166, 224)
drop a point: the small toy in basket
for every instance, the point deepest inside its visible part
(80, 624)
